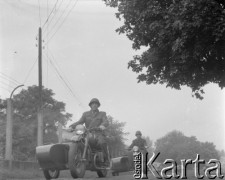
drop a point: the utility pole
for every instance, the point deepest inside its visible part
(39, 116)
(8, 152)
(9, 128)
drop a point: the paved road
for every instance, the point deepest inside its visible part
(65, 175)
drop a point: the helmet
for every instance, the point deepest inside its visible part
(138, 133)
(94, 100)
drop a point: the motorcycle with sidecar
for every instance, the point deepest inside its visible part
(78, 154)
(126, 162)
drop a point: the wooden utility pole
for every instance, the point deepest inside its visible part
(39, 116)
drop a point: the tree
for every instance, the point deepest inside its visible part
(116, 134)
(185, 41)
(177, 146)
(25, 105)
(149, 143)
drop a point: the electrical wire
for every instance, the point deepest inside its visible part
(54, 8)
(69, 88)
(52, 17)
(47, 44)
(10, 78)
(63, 12)
(5, 89)
(6, 84)
(39, 12)
(28, 74)
(62, 21)
(65, 83)
(57, 66)
(59, 77)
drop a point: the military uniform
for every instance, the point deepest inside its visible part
(141, 143)
(93, 119)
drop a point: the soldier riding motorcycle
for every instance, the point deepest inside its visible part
(85, 148)
(95, 122)
(85, 153)
(138, 145)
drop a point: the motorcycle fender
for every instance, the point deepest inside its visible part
(76, 138)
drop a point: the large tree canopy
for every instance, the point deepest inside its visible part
(177, 146)
(185, 40)
(25, 106)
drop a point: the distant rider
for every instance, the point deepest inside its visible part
(139, 141)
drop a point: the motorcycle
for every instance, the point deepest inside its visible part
(126, 162)
(78, 154)
(135, 151)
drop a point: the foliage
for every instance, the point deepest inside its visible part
(185, 41)
(116, 134)
(149, 143)
(25, 107)
(177, 146)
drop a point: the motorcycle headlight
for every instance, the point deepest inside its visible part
(75, 138)
(80, 129)
(79, 132)
(135, 148)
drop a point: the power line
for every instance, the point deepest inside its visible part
(54, 8)
(28, 74)
(66, 84)
(63, 20)
(6, 84)
(60, 79)
(39, 11)
(10, 78)
(63, 12)
(52, 17)
(47, 43)
(71, 91)
(5, 89)
(57, 65)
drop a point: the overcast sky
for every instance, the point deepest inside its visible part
(93, 58)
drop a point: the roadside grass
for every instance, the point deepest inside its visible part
(6, 174)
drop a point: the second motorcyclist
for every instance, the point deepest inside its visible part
(140, 143)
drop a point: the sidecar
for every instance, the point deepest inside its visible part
(120, 164)
(52, 158)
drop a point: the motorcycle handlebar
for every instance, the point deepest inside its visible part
(130, 149)
(94, 129)
(71, 129)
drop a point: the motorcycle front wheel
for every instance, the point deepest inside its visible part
(51, 174)
(102, 173)
(76, 165)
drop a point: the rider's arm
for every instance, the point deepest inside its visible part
(145, 143)
(81, 121)
(105, 122)
(131, 146)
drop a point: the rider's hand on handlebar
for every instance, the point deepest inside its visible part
(102, 127)
(71, 128)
